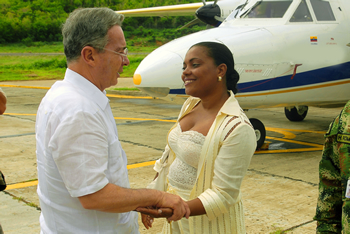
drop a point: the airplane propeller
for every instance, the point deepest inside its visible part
(208, 13)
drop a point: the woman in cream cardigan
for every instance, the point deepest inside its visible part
(210, 147)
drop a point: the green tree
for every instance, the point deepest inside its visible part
(41, 20)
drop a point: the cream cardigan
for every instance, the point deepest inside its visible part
(225, 157)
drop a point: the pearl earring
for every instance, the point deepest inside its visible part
(219, 78)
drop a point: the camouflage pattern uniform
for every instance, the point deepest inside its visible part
(333, 208)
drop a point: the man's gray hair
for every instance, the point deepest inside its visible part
(88, 27)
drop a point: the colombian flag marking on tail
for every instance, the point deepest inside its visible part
(313, 39)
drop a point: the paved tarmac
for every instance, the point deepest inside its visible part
(279, 191)
(17, 214)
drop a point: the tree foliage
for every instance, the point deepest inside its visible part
(41, 20)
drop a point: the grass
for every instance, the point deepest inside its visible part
(47, 67)
(31, 180)
(21, 199)
(35, 47)
(57, 47)
(278, 230)
(31, 67)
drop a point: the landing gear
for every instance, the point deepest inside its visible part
(296, 113)
(260, 132)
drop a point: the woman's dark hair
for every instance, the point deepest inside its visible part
(221, 54)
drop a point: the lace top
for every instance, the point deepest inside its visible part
(187, 147)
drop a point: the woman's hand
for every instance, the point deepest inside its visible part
(148, 214)
(147, 220)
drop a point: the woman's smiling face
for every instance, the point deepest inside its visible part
(200, 74)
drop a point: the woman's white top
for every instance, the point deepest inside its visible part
(187, 147)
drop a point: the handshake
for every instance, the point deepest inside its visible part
(169, 206)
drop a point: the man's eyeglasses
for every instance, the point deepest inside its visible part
(124, 54)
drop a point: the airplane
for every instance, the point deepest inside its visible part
(289, 53)
(211, 13)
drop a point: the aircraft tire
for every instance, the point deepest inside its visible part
(260, 132)
(296, 114)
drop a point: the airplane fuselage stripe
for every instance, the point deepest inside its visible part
(319, 78)
(294, 90)
(327, 74)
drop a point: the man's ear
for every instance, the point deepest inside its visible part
(89, 55)
(222, 69)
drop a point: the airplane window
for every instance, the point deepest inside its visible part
(302, 14)
(269, 9)
(237, 11)
(323, 10)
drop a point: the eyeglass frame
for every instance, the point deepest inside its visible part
(124, 55)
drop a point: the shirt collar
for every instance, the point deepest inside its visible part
(231, 106)
(86, 88)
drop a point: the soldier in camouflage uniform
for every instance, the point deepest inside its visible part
(333, 206)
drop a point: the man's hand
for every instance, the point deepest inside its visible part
(177, 208)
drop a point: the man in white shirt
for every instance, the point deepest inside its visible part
(2, 102)
(83, 181)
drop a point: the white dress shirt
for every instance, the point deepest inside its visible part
(78, 153)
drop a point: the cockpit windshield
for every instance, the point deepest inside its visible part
(268, 9)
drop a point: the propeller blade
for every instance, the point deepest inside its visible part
(215, 2)
(195, 21)
(204, 3)
(218, 18)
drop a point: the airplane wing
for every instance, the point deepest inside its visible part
(174, 10)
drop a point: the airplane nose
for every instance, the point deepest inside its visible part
(137, 79)
(158, 71)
